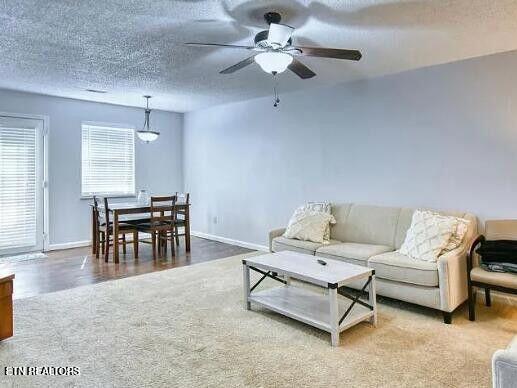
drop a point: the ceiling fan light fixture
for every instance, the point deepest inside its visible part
(273, 62)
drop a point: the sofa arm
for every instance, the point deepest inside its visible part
(274, 233)
(452, 278)
(504, 368)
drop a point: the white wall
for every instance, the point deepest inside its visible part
(442, 137)
(158, 165)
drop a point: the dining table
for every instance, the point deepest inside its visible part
(130, 210)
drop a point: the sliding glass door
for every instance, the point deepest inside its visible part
(21, 185)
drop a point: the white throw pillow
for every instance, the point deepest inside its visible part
(428, 235)
(458, 235)
(308, 225)
(324, 207)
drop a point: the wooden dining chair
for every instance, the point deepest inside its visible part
(161, 225)
(100, 237)
(105, 237)
(181, 216)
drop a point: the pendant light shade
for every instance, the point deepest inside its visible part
(147, 134)
(273, 62)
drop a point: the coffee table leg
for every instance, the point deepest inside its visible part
(246, 278)
(334, 320)
(373, 301)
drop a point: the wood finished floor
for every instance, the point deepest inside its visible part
(71, 268)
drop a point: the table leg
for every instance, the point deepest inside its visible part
(187, 228)
(246, 278)
(115, 236)
(372, 298)
(94, 231)
(334, 319)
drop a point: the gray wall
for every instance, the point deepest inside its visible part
(158, 165)
(442, 137)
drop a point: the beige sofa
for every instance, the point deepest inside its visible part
(370, 235)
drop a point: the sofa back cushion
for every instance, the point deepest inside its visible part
(365, 224)
(381, 225)
(340, 212)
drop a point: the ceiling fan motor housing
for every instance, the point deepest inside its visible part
(261, 39)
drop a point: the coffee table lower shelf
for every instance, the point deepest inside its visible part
(309, 306)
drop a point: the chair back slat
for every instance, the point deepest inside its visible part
(163, 198)
(501, 229)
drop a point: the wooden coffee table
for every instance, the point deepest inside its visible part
(326, 312)
(6, 305)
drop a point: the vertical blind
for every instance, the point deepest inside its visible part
(108, 160)
(18, 180)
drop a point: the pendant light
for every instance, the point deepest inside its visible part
(146, 134)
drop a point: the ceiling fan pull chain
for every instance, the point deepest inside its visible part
(275, 84)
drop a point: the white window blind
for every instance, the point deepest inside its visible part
(108, 160)
(18, 179)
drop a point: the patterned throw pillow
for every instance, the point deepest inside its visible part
(308, 225)
(324, 207)
(458, 235)
(428, 235)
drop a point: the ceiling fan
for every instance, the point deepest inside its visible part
(276, 52)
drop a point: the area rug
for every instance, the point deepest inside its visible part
(186, 327)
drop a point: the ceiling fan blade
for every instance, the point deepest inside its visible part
(353, 55)
(279, 34)
(233, 46)
(300, 69)
(239, 65)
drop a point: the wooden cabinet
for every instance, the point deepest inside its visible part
(6, 306)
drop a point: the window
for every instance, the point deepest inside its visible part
(21, 172)
(108, 160)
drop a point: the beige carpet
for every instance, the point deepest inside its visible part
(186, 327)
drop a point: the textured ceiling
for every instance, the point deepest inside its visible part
(134, 47)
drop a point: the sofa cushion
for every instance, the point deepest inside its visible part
(289, 244)
(355, 253)
(401, 268)
(368, 225)
(340, 212)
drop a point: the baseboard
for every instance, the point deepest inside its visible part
(226, 240)
(69, 245)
